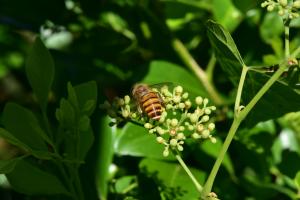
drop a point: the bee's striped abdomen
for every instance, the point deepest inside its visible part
(151, 105)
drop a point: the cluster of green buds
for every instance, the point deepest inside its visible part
(287, 9)
(182, 118)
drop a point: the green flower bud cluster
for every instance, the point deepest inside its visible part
(182, 118)
(285, 8)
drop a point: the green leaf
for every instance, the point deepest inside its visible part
(106, 152)
(226, 51)
(28, 179)
(135, 140)
(271, 27)
(40, 71)
(123, 183)
(172, 175)
(280, 95)
(162, 71)
(6, 166)
(297, 180)
(65, 114)
(213, 149)
(227, 14)
(23, 125)
(87, 97)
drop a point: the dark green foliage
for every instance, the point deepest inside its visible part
(58, 143)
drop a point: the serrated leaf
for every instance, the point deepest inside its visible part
(40, 71)
(172, 175)
(135, 140)
(162, 71)
(272, 27)
(225, 50)
(28, 179)
(23, 125)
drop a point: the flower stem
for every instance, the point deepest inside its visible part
(190, 62)
(210, 67)
(187, 170)
(287, 40)
(239, 90)
(236, 123)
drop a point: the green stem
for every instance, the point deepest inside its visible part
(66, 178)
(287, 40)
(190, 62)
(236, 123)
(210, 67)
(239, 90)
(187, 170)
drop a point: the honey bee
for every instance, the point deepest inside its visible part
(149, 102)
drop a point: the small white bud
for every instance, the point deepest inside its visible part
(134, 115)
(213, 107)
(296, 4)
(125, 113)
(160, 140)
(205, 101)
(169, 106)
(190, 128)
(196, 136)
(180, 148)
(181, 128)
(174, 122)
(127, 99)
(205, 118)
(264, 4)
(181, 105)
(194, 118)
(172, 132)
(173, 142)
(121, 102)
(188, 104)
(283, 2)
(178, 90)
(213, 140)
(207, 111)
(281, 12)
(200, 127)
(148, 125)
(176, 99)
(160, 131)
(180, 136)
(205, 133)
(199, 100)
(174, 113)
(211, 126)
(270, 8)
(185, 95)
(166, 152)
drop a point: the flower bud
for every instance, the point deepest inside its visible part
(166, 152)
(185, 95)
(126, 99)
(199, 100)
(283, 2)
(281, 12)
(174, 122)
(207, 111)
(211, 126)
(188, 104)
(196, 136)
(180, 148)
(264, 4)
(180, 136)
(134, 115)
(121, 102)
(213, 140)
(205, 118)
(205, 101)
(213, 107)
(270, 8)
(205, 133)
(296, 4)
(194, 118)
(200, 127)
(181, 105)
(178, 90)
(169, 106)
(172, 132)
(190, 128)
(148, 125)
(176, 99)
(181, 128)
(173, 142)
(160, 131)
(160, 140)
